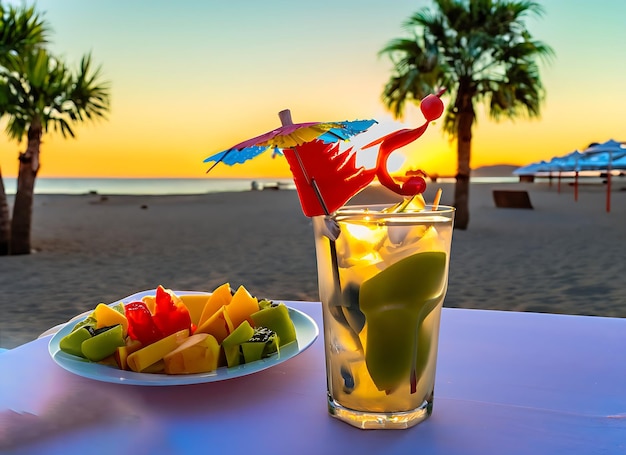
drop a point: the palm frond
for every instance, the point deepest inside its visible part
(480, 49)
(41, 87)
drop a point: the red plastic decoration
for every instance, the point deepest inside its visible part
(317, 166)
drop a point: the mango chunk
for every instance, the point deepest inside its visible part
(107, 316)
(197, 354)
(150, 301)
(220, 297)
(195, 304)
(140, 360)
(242, 306)
(219, 325)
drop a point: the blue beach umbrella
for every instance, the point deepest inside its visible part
(532, 168)
(601, 157)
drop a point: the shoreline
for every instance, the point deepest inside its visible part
(561, 257)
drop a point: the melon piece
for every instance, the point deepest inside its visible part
(232, 343)
(72, 342)
(140, 360)
(276, 318)
(220, 297)
(262, 344)
(242, 306)
(395, 303)
(89, 323)
(195, 304)
(103, 344)
(197, 354)
(107, 316)
(219, 325)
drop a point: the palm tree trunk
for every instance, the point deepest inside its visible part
(5, 223)
(464, 148)
(23, 206)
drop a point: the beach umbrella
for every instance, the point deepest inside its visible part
(565, 163)
(289, 136)
(600, 156)
(619, 163)
(531, 169)
(571, 163)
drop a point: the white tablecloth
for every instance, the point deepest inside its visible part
(507, 383)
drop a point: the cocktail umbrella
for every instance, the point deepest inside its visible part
(289, 136)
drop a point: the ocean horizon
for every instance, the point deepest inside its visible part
(145, 186)
(173, 186)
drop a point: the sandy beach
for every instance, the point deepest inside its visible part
(561, 257)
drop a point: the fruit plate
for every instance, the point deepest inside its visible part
(306, 333)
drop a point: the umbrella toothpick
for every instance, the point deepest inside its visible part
(219, 161)
(285, 119)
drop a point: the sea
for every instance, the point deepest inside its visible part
(145, 186)
(172, 186)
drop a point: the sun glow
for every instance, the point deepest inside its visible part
(226, 84)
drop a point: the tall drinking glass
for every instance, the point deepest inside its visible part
(382, 283)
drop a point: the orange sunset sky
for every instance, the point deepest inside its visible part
(189, 79)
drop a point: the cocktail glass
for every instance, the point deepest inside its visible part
(382, 283)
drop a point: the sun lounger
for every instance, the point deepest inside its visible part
(512, 199)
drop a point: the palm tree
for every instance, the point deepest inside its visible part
(21, 29)
(480, 51)
(44, 95)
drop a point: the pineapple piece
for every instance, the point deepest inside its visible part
(197, 354)
(122, 353)
(139, 360)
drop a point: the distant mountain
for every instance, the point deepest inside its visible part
(498, 170)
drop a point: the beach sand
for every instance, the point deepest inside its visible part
(561, 257)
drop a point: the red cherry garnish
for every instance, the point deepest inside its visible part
(413, 186)
(431, 107)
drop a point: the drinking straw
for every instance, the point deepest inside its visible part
(437, 199)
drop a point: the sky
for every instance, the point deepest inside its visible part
(189, 79)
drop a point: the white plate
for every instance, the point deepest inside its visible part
(306, 333)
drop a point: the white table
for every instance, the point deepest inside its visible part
(507, 383)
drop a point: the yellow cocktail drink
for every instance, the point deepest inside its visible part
(382, 283)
